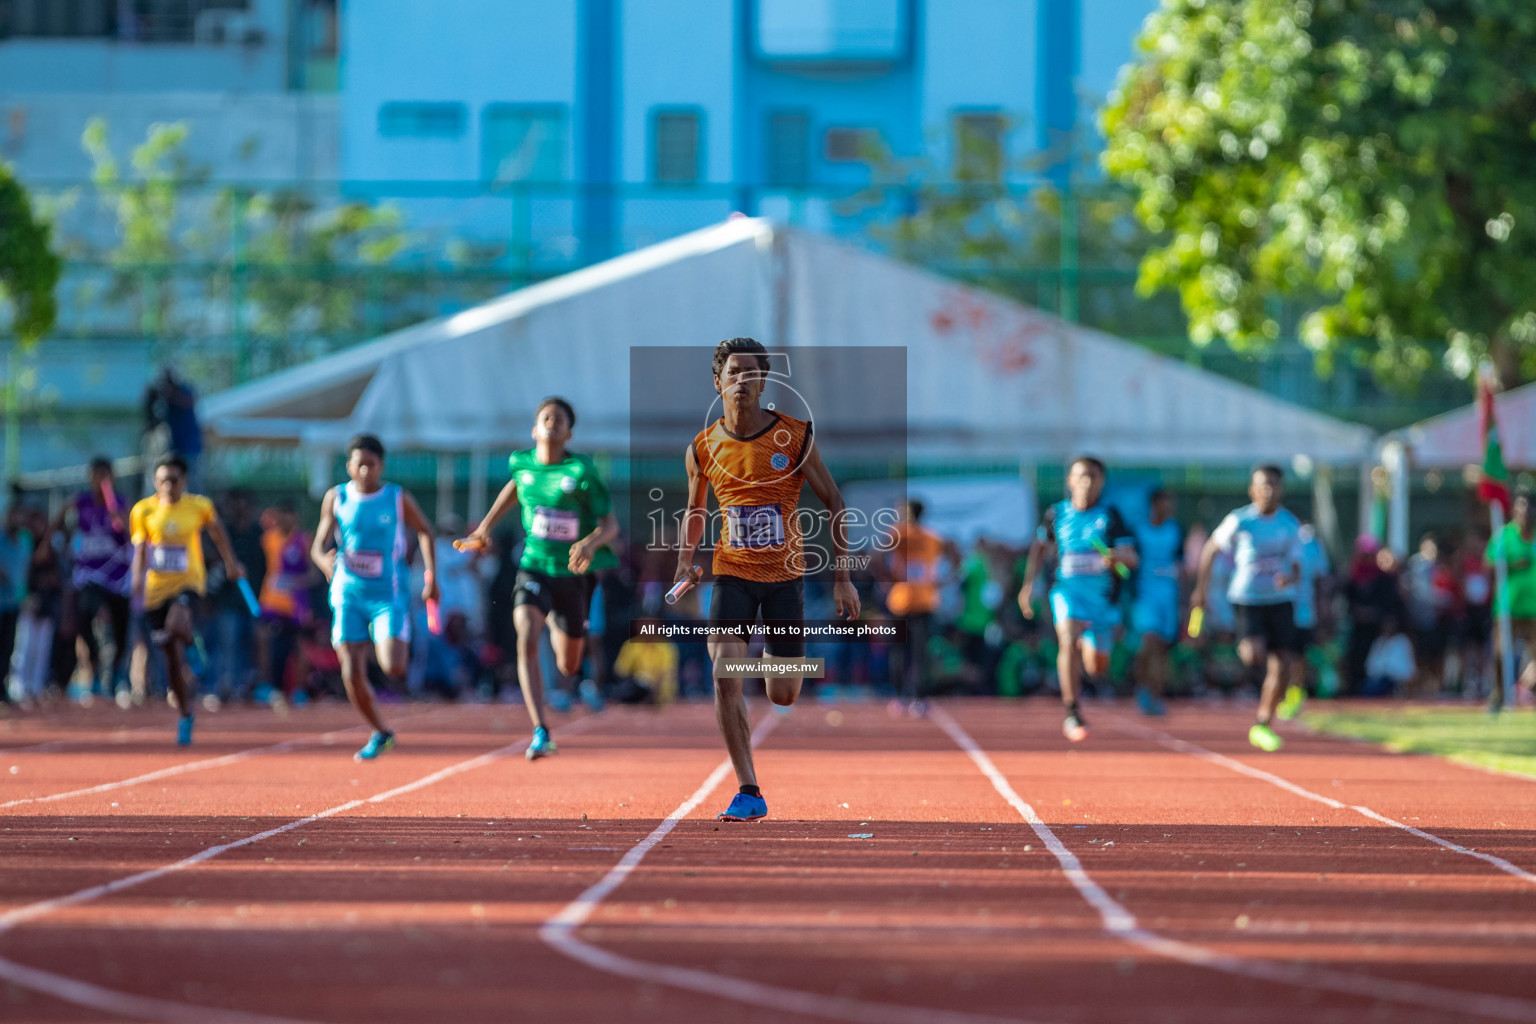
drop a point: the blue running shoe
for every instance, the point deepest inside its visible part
(745, 807)
(184, 732)
(541, 745)
(376, 745)
(592, 697)
(558, 700)
(1150, 705)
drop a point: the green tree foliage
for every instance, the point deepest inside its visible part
(281, 274)
(1367, 162)
(29, 268)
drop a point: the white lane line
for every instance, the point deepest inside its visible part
(559, 933)
(193, 766)
(1232, 764)
(107, 1000)
(1121, 923)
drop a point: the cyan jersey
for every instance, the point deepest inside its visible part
(1262, 548)
(370, 542)
(1314, 563)
(1161, 549)
(1080, 536)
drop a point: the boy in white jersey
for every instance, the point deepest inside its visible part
(1264, 540)
(369, 600)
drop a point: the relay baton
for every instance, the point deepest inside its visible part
(434, 617)
(685, 584)
(1121, 570)
(1196, 620)
(250, 597)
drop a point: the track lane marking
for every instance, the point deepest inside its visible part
(1172, 742)
(197, 766)
(1120, 922)
(98, 997)
(559, 933)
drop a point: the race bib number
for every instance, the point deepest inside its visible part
(368, 565)
(1268, 567)
(1082, 564)
(98, 545)
(754, 526)
(555, 524)
(168, 558)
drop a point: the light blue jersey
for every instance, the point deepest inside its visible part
(1263, 548)
(1314, 564)
(1086, 590)
(1156, 609)
(369, 588)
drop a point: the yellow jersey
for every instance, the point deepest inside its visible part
(757, 481)
(174, 538)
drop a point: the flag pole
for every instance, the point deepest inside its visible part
(1506, 692)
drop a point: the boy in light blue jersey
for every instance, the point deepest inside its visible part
(1155, 612)
(1264, 540)
(1314, 566)
(370, 602)
(1091, 542)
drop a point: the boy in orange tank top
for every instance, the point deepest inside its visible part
(756, 460)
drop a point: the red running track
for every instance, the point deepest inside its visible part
(1169, 874)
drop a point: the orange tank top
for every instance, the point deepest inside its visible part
(757, 483)
(916, 590)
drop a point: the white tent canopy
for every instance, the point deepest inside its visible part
(1454, 440)
(987, 377)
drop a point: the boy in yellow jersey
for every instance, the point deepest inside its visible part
(756, 461)
(166, 530)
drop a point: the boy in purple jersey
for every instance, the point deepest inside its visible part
(102, 557)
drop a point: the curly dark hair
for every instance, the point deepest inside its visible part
(731, 346)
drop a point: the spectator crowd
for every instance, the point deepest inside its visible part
(1419, 627)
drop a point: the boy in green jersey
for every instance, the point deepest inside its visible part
(569, 521)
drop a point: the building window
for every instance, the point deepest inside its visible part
(163, 21)
(789, 147)
(422, 120)
(519, 142)
(831, 31)
(979, 153)
(852, 145)
(675, 138)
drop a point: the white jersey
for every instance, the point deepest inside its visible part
(1262, 547)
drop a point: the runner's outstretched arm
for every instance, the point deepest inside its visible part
(417, 520)
(322, 556)
(1037, 553)
(480, 539)
(844, 597)
(582, 551)
(1203, 577)
(232, 564)
(695, 516)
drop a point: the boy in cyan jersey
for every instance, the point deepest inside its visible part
(569, 522)
(168, 571)
(370, 602)
(1090, 541)
(756, 461)
(1314, 567)
(1264, 540)
(1155, 612)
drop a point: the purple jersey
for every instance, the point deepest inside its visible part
(102, 552)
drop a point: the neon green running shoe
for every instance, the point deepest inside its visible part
(1290, 704)
(1265, 738)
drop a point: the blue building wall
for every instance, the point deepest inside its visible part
(620, 69)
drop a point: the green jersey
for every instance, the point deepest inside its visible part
(561, 503)
(1520, 596)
